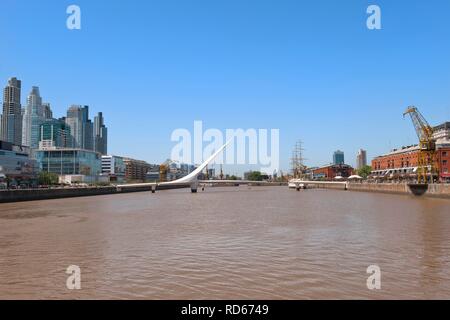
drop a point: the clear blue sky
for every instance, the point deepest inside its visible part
(310, 68)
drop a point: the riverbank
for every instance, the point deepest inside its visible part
(434, 190)
(58, 193)
(440, 190)
(7, 196)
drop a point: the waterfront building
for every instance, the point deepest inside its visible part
(66, 162)
(443, 159)
(136, 170)
(153, 175)
(442, 135)
(186, 168)
(332, 171)
(338, 157)
(100, 134)
(113, 167)
(404, 162)
(11, 120)
(54, 134)
(16, 164)
(361, 159)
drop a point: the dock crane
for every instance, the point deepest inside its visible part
(163, 169)
(427, 146)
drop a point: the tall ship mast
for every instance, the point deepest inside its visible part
(297, 160)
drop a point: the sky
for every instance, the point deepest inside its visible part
(311, 69)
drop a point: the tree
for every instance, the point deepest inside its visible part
(255, 176)
(48, 178)
(364, 172)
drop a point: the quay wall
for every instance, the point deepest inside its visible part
(57, 193)
(434, 190)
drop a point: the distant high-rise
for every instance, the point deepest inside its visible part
(88, 135)
(338, 157)
(11, 124)
(48, 114)
(361, 159)
(36, 113)
(100, 134)
(81, 127)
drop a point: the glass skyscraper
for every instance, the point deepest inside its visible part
(100, 134)
(338, 157)
(81, 127)
(55, 134)
(36, 113)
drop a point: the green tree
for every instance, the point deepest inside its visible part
(364, 172)
(48, 178)
(255, 176)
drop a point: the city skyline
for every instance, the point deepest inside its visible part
(272, 73)
(76, 130)
(33, 126)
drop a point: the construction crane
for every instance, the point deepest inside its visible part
(163, 169)
(427, 145)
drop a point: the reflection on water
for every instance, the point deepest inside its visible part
(227, 243)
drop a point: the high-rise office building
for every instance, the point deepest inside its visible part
(361, 159)
(74, 120)
(81, 127)
(338, 157)
(100, 134)
(11, 124)
(88, 135)
(35, 114)
(54, 134)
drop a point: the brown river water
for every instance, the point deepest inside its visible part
(227, 243)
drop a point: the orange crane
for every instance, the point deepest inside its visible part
(427, 145)
(164, 169)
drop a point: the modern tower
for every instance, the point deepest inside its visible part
(81, 127)
(11, 125)
(338, 157)
(100, 134)
(361, 159)
(36, 113)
